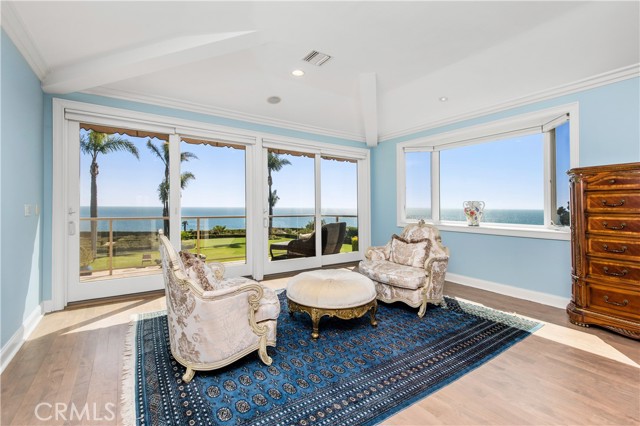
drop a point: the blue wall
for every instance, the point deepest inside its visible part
(21, 182)
(609, 133)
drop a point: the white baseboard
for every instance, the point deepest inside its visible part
(507, 290)
(10, 349)
(47, 306)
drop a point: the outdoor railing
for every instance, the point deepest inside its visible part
(126, 242)
(121, 243)
(209, 233)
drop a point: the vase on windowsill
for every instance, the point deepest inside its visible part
(473, 211)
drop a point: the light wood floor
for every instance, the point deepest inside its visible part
(75, 357)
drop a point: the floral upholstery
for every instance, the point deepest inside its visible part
(410, 268)
(410, 253)
(393, 273)
(210, 329)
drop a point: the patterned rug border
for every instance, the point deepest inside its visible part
(128, 406)
(525, 323)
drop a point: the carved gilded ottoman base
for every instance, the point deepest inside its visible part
(344, 313)
(332, 292)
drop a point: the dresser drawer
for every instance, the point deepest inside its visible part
(613, 202)
(613, 181)
(614, 225)
(620, 302)
(623, 272)
(613, 248)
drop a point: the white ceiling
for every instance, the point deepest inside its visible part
(229, 57)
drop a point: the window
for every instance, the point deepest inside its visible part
(507, 175)
(560, 149)
(517, 167)
(418, 185)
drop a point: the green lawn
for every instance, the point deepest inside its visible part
(231, 249)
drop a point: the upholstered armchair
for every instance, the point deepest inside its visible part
(410, 268)
(214, 321)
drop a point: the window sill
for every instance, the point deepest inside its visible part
(521, 231)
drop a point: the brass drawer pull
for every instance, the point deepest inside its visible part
(615, 228)
(625, 302)
(615, 274)
(612, 181)
(621, 250)
(605, 204)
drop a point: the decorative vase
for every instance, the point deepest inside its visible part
(473, 210)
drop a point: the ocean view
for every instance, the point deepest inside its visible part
(189, 214)
(524, 217)
(528, 217)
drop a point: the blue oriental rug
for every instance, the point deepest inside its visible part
(354, 374)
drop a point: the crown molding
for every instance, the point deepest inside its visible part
(603, 79)
(220, 112)
(16, 30)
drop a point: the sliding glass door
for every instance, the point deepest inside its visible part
(115, 211)
(291, 210)
(213, 202)
(339, 204)
(311, 209)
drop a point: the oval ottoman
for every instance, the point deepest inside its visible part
(332, 292)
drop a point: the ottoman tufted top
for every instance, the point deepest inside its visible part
(331, 289)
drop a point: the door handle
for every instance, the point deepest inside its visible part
(72, 228)
(265, 222)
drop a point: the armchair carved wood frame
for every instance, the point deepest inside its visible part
(211, 329)
(414, 285)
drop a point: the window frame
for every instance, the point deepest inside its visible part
(541, 121)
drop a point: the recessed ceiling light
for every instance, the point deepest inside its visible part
(297, 73)
(274, 100)
(443, 99)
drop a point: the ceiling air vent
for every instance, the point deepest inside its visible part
(316, 58)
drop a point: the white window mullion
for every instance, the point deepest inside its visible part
(318, 215)
(401, 176)
(549, 177)
(251, 209)
(174, 189)
(435, 187)
(261, 202)
(364, 201)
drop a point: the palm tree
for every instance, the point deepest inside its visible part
(274, 163)
(93, 144)
(163, 189)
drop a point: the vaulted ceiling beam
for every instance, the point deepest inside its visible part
(369, 107)
(145, 59)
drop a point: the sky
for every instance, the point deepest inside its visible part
(219, 180)
(505, 174)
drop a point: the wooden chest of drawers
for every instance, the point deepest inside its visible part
(605, 247)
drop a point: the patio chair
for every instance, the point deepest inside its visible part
(146, 257)
(332, 235)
